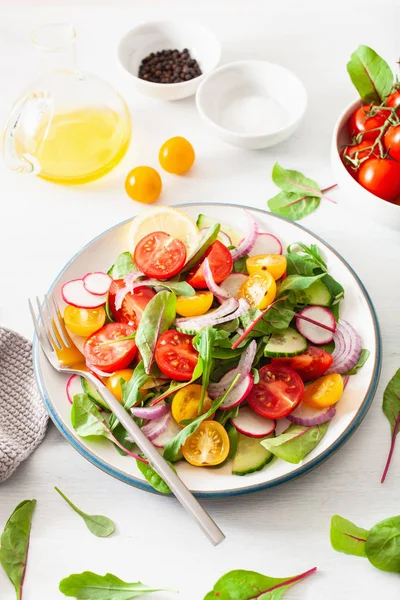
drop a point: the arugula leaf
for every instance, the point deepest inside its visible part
(172, 448)
(383, 545)
(157, 317)
(361, 362)
(203, 342)
(370, 74)
(153, 478)
(99, 525)
(131, 391)
(88, 585)
(122, 266)
(175, 386)
(296, 442)
(303, 259)
(204, 244)
(223, 416)
(347, 537)
(249, 585)
(15, 544)
(391, 409)
(239, 266)
(275, 318)
(179, 288)
(298, 282)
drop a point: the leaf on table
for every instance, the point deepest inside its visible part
(391, 409)
(370, 74)
(296, 442)
(99, 525)
(347, 537)
(122, 266)
(293, 206)
(294, 182)
(14, 544)
(90, 586)
(383, 545)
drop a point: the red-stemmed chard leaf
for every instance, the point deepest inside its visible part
(391, 408)
(347, 537)
(251, 326)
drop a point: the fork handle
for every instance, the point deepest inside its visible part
(160, 465)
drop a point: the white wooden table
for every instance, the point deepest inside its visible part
(279, 532)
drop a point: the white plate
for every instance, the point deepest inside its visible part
(352, 408)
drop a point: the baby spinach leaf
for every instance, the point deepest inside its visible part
(120, 433)
(229, 326)
(391, 409)
(294, 182)
(90, 586)
(204, 244)
(249, 585)
(203, 342)
(347, 537)
(226, 353)
(361, 362)
(157, 317)
(153, 478)
(296, 442)
(179, 288)
(298, 282)
(14, 544)
(99, 525)
(383, 545)
(239, 266)
(122, 266)
(172, 448)
(370, 74)
(293, 206)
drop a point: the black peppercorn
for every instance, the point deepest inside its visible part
(169, 66)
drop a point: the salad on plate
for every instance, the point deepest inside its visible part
(222, 348)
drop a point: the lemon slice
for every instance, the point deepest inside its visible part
(167, 219)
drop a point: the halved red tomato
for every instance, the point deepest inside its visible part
(160, 255)
(310, 365)
(176, 356)
(102, 350)
(221, 265)
(133, 305)
(278, 392)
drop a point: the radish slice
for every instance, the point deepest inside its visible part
(251, 424)
(215, 390)
(222, 237)
(150, 412)
(307, 416)
(233, 283)
(266, 243)
(74, 292)
(247, 244)
(218, 292)
(347, 350)
(97, 283)
(170, 432)
(74, 386)
(241, 390)
(317, 324)
(153, 429)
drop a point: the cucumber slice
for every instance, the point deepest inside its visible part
(319, 294)
(336, 290)
(204, 221)
(93, 394)
(250, 455)
(288, 342)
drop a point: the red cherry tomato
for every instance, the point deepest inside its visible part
(393, 100)
(176, 356)
(392, 142)
(160, 255)
(360, 122)
(133, 305)
(310, 365)
(381, 176)
(110, 357)
(278, 392)
(351, 155)
(221, 265)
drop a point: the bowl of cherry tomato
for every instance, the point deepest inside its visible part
(365, 156)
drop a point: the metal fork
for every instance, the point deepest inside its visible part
(65, 357)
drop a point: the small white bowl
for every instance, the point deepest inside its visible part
(165, 35)
(358, 199)
(249, 103)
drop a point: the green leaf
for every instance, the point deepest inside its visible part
(15, 544)
(122, 266)
(383, 545)
(153, 478)
(304, 260)
(120, 433)
(226, 353)
(296, 442)
(204, 244)
(90, 586)
(173, 447)
(298, 282)
(249, 585)
(224, 416)
(239, 266)
(203, 342)
(86, 419)
(335, 288)
(131, 391)
(391, 409)
(294, 182)
(110, 318)
(157, 317)
(370, 74)
(361, 362)
(347, 537)
(229, 326)
(99, 525)
(179, 288)
(293, 206)
(175, 386)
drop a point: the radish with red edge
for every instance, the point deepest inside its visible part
(266, 243)
(97, 283)
(241, 390)
(222, 237)
(73, 387)
(74, 293)
(317, 324)
(168, 434)
(232, 283)
(307, 416)
(251, 424)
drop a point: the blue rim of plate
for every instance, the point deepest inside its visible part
(342, 439)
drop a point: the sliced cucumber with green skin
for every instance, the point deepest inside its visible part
(93, 394)
(318, 294)
(203, 221)
(288, 342)
(336, 290)
(250, 455)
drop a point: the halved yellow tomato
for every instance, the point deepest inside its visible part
(84, 321)
(325, 391)
(185, 404)
(273, 263)
(194, 306)
(114, 382)
(259, 289)
(207, 446)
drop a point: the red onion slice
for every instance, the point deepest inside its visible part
(348, 346)
(209, 319)
(98, 371)
(307, 416)
(150, 412)
(218, 292)
(131, 283)
(156, 427)
(248, 242)
(215, 390)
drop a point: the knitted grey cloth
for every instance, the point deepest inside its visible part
(23, 417)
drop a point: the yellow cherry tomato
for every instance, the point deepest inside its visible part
(143, 184)
(194, 306)
(207, 446)
(325, 391)
(84, 321)
(259, 289)
(114, 382)
(176, 155)
(273, 263)
(185, 404)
